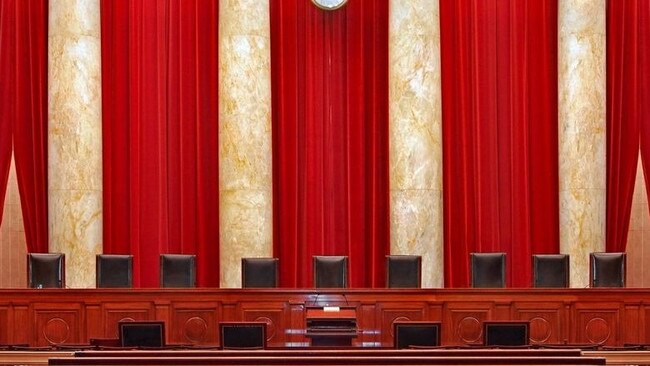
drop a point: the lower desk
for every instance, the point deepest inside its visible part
(41, 317)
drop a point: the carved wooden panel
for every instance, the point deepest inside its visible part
(276, 316)
(389, 313)
(368, 327)
(94, 323)
(194, 323)
(609, 316)
(117, 312)
(630, 324)
(296, 332)
(545, 321)
(463, 322)
(646, 329)
(5, 325)
(22, 329)
(597, 323)
(57, 324)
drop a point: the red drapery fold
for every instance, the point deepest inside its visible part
(23, 111)
(160, 148)
(499, 109)
(330, 138)
(628, 110)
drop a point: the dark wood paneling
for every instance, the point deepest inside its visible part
(57, 323)
(123, 311)
(389, 313)
(545, 321)
(276, 315)
(194, 323)
(463, 322)
(597, 323)
(5, 324)
(53, 316)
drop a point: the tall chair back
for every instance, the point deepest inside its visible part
(330, 271)
(46, 270)
(488, 269)
(114, 270)
(177, 270)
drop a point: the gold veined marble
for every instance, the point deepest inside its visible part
(74, 136)
(416, 135)
(245, 150)
(582, 140)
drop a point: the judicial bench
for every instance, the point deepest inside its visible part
(40, 317)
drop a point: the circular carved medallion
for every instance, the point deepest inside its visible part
(56, 331)
(270, 326)
(195, 329)
(540, 330)
(469, 329)
(597, 330)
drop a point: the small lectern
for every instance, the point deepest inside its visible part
(331, 326)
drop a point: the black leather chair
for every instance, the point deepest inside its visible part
(46, 270)
(607, 269)
(242, 335)
(330, 271)
(259, 272)
(403, 271)
(488, 269)
(114, 270)
(409, 334)
(550, 270)
(177, 270)
(506, 333)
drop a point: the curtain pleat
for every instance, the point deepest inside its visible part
(160, 133)
(499, 109)
(330, 138)
(628, 111)
(23, 111)
(7, 82)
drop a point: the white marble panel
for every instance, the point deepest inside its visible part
(74, 136)
(416, 135)
(245, 148)
(582, 140)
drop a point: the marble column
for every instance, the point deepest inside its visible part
(245, 156)
(581, 113)
(416, 135)
(74, 136)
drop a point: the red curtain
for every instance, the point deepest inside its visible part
(499, 111)
(330, 138)
(628, 110)
(23, 111)
(160, 112)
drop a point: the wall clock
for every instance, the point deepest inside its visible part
(329, 4)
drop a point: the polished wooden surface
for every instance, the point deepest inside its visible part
(334, 357)
(41, 358)
(610, 317)
(14, 358)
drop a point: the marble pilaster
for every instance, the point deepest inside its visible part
(245, 147)
(582, 140)
(416, 135)
(74, 136)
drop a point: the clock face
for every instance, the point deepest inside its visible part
(329, 4)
